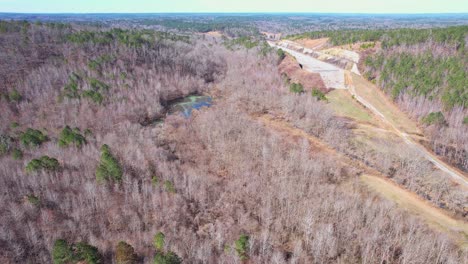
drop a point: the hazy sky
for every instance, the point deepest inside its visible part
(162, 6)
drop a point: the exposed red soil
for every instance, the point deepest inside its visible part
(309, 80)
(315, 44)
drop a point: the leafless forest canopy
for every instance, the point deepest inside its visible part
(220, 185)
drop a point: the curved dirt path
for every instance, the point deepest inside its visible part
(435, 217)
(452, 172)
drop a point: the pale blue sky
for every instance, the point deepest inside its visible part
(163, 6)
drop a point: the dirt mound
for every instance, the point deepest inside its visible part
(293, 70)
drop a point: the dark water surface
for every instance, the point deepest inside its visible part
(187, 104)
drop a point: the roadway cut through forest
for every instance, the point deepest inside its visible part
(374, 100)
(332, 76)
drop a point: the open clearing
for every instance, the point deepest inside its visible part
(343, 104)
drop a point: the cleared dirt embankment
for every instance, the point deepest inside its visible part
(315, 44)
(296, 74)
(332, 76)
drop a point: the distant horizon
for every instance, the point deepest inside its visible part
(243, 13)
(229, 6)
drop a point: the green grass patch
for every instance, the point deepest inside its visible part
(343, 104)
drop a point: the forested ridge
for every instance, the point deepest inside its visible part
(391, 37)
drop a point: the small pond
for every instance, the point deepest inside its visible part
(187, 104)
(183, 106)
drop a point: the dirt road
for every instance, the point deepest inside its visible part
(452, 172)
(332, 76)
(435, 217)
